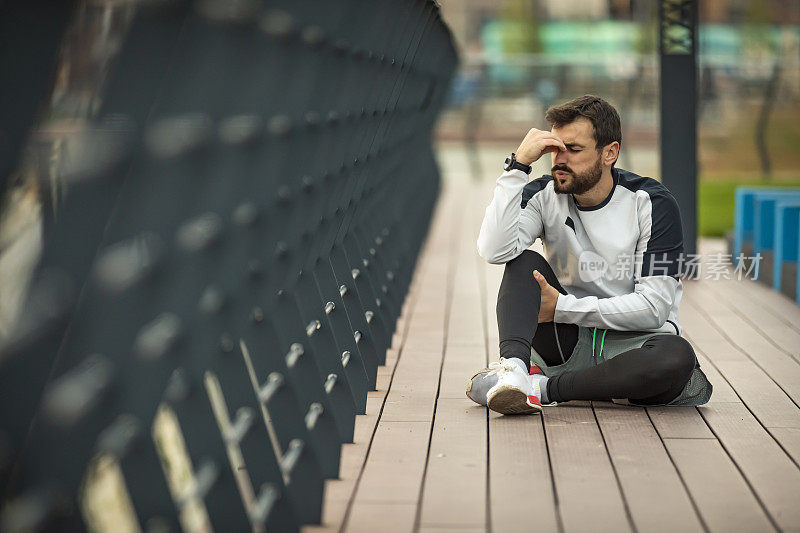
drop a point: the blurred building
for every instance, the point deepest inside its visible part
(520, 56)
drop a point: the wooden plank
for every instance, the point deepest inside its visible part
(769, 403)
(782, 368)
(440, 529)
(723, 498)
(460, 362)
(771, 473)
(760, 314)
(789, 439)
(454, 493)
(588, 494)
(370, 517)
(413, 391)
(679, 423)
(723, 392)
(656, 497)
(519, 465)
(774, 303)
(396, 462)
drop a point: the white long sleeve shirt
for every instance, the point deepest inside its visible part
(619, 261)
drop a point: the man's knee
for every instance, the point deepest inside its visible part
(526, 263)
(673, 357)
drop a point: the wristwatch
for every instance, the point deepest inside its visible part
(512, 163)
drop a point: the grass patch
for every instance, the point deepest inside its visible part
(715, 203)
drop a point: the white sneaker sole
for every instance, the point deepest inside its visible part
(509, 400)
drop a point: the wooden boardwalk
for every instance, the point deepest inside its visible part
(425, 458)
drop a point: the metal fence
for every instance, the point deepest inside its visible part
(223, 273)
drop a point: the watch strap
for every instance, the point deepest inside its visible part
(517, 165)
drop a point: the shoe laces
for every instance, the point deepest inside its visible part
(503, 365)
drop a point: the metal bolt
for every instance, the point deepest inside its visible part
(295, 351)
(226, 343)
(73, 395)
(205, 477)
(329, 307)
(158, 337)
(176, 136)
(274, 382)
(262, 506)
(123, 265)
(245, 214)
(118, 438)
(284, 194)
(313, 414)
(212, 300)
(257, 315)
(200, 232)
(312, 118)
(178, 386)
(368, 315)
(312, 36)
(341, 46)
(277, 24)
(313, 327)
(240, 426)
(330, 382)
(240, 129)
(342, 290)
(281, 249)
(296, 446)
(307, 184)
(345, 358)
(279, 125)
(355, 273)
(254, 269)
(357, 336)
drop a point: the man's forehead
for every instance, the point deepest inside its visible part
(580, 131)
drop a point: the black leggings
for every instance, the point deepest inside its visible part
(653, 374)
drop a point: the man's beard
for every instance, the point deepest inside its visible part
(579, 183)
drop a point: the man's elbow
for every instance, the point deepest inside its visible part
(494, 257)
(658, 315)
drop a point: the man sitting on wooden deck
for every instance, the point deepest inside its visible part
(599, 315)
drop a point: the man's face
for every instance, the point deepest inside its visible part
(579, 168)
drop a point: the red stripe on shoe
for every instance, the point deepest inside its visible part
(535, 370)
(533, 400)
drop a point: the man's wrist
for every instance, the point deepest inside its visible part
(524, 160)
(512, 163)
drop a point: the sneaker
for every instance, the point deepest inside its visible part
(483, 380)
(513, 394)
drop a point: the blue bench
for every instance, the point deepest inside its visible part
(766, 223)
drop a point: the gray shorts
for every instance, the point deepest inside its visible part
(696, 392)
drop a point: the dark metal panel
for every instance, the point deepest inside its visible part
(678, 54)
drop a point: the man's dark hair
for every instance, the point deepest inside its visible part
(602, 115)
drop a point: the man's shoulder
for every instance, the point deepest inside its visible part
(533, 187)
(634, 183)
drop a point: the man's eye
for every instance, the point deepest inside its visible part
(573, 149)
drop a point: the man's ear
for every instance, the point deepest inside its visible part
(610, 153)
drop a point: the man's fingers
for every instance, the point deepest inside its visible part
(554, 141)
(539, 278)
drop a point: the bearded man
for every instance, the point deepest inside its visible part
(596, 318)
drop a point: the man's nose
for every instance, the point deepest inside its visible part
(560, 157)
